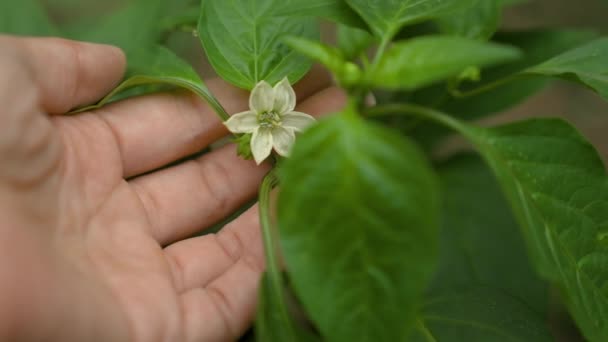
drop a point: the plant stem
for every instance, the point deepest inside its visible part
(271, 250)
(380, 52)
(364, 60)
(419, 111)
(425, 331)
(487, 87)
(270, 245)
(203, 92)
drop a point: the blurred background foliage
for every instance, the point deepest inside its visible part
(581, 107)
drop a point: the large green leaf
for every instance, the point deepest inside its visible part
(478, 21)
(27, 17)
(481, 243)
(557, 186)
(158, 65)
(587, 64)
(423, 61)
(480, 314)
(272, 323)
(242, 41)
(485, 288)
(358, 214)
(335, 10)
(386, 17)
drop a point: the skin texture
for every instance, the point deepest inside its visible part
(94, 243)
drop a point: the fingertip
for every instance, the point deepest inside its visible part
(70, 73)
(316, 79)
(328, 100)
(116, 56)
(97, 69)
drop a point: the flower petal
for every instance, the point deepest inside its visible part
(244, 122)
(261, 144)
(261, 98)
(297, 121)
(284, 97)
(282, 140)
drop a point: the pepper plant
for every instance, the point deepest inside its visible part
(373, 235)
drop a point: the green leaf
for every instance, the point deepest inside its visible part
(272, 324)
(423, 61)
(557, 186)
(242, 39)
(388, 16)
(184, 19)
(481, 314)
(358, 213)
(537, 47)
(353, 41)
(485, 288)
(27, 17)
(132, 28)
(478, 21)
(346, 73)
(481, 243)
(161, 66)
(329, 56)
(335, 10)
(587, 64)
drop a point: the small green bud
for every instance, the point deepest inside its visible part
(243, 147)
(350, 74)
(470, 74)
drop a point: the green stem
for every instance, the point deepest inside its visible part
(270, 245)
(487, 87)
(425, 331)
(419, 111)
(380, 52)
(364, 60)
(271, 250)
(213, 103)
(199, 89)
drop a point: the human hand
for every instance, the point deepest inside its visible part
(92, 243)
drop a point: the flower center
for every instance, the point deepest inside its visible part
(269, 119)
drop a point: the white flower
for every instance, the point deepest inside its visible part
(270, 119)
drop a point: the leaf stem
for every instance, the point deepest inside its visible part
(380, 52)
(364, 60)
(138, 80)
(418, 111)
(454, 91)
(425, 331)
(213, 102)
